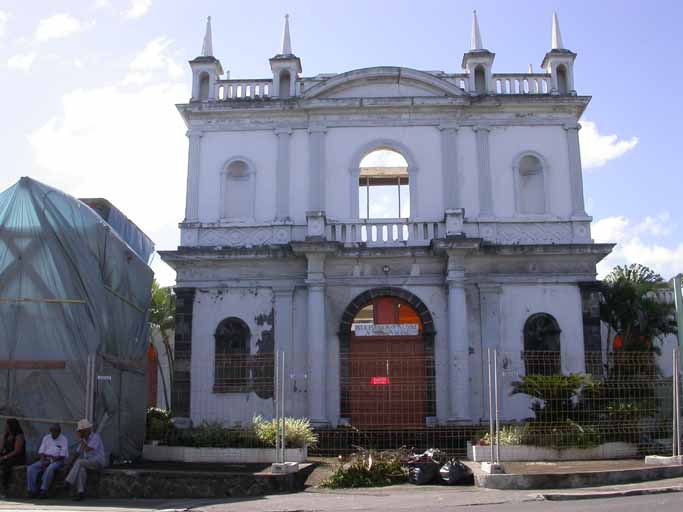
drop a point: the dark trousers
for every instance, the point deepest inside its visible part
(6, 469)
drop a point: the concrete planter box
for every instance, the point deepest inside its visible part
(223, 455)
(533, 453)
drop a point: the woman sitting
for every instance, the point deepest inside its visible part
(13, 452)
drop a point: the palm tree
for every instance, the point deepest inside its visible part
(631, 310)
(162, 316)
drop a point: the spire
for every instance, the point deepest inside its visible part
(557, 35)
(207, 47)
(531, 69)
(476, 35)
(286, 40)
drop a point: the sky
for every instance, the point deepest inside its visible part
(90, 87)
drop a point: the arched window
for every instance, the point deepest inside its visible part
(383, 189)
(237, 190)
(480, 80)
(285, 84)
(531, 197)
(231, 358)
(562, 79)
(204, 86)
(542, 345)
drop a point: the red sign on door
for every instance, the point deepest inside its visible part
(379, 381)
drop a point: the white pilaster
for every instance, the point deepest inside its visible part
(484, 171)
(458, 342)
(316, 168)
(283, 327)
(489, 304)
(317, 342)
(282, 174)
(575, 172)
(449, 164)
(193, 165)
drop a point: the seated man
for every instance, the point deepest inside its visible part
(53, 452)
(90, 457)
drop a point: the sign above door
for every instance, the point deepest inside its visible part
(386, 329)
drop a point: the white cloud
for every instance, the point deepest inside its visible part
(153, 58)
(598, 149)
(21, 62)
(138, 8)
(124, 143)
(57, 26)
(3, 22)
(103, 4)
(633, 245)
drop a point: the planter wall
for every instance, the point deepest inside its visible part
(533, 453)
(223, 455)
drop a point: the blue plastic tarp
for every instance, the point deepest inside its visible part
(71, 287)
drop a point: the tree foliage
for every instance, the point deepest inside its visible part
(631, 309)
(162, 316)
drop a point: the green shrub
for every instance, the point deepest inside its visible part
(298, 432)
(158, 424)
(368, 468)
(510, 435)
(212, 434)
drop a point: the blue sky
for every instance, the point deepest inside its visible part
(89, 88)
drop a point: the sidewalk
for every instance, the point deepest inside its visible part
(400, 498)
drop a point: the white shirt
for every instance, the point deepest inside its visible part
(54, 447)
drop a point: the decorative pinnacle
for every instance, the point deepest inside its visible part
(475, 42)
(286, 40)
(207, 47)
(557, 35)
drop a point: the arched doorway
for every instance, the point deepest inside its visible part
(387, 360)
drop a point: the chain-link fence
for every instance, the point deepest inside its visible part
(622, 408)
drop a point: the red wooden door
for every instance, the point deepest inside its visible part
(387, 381)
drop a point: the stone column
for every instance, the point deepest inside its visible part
(282, 174)
(458, 342)
(489, 304)
(193, 166)
(449, 165)
(317, 340)
(316, 168)
(575, 173)
(484, 171)
(182, 350)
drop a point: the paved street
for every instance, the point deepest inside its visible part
(397, 498)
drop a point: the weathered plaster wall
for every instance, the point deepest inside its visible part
(252, 305)
(423, 142)
(518, 302)
(550, 142)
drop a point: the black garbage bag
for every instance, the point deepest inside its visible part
(423, 473)
(423, 468)
(455, 472)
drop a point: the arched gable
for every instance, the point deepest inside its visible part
(384, 79)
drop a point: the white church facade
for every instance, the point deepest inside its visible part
(380, 226)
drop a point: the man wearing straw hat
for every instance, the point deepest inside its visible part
(90, 457)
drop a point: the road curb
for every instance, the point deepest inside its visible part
(569, 496)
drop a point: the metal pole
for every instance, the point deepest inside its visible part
(276, 403)
(488, 360)
(284, 435)
(677, 404)
(495, 387)
(678, 304)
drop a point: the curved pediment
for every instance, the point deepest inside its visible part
(383, 82)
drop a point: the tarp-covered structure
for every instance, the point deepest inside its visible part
(71, 291)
